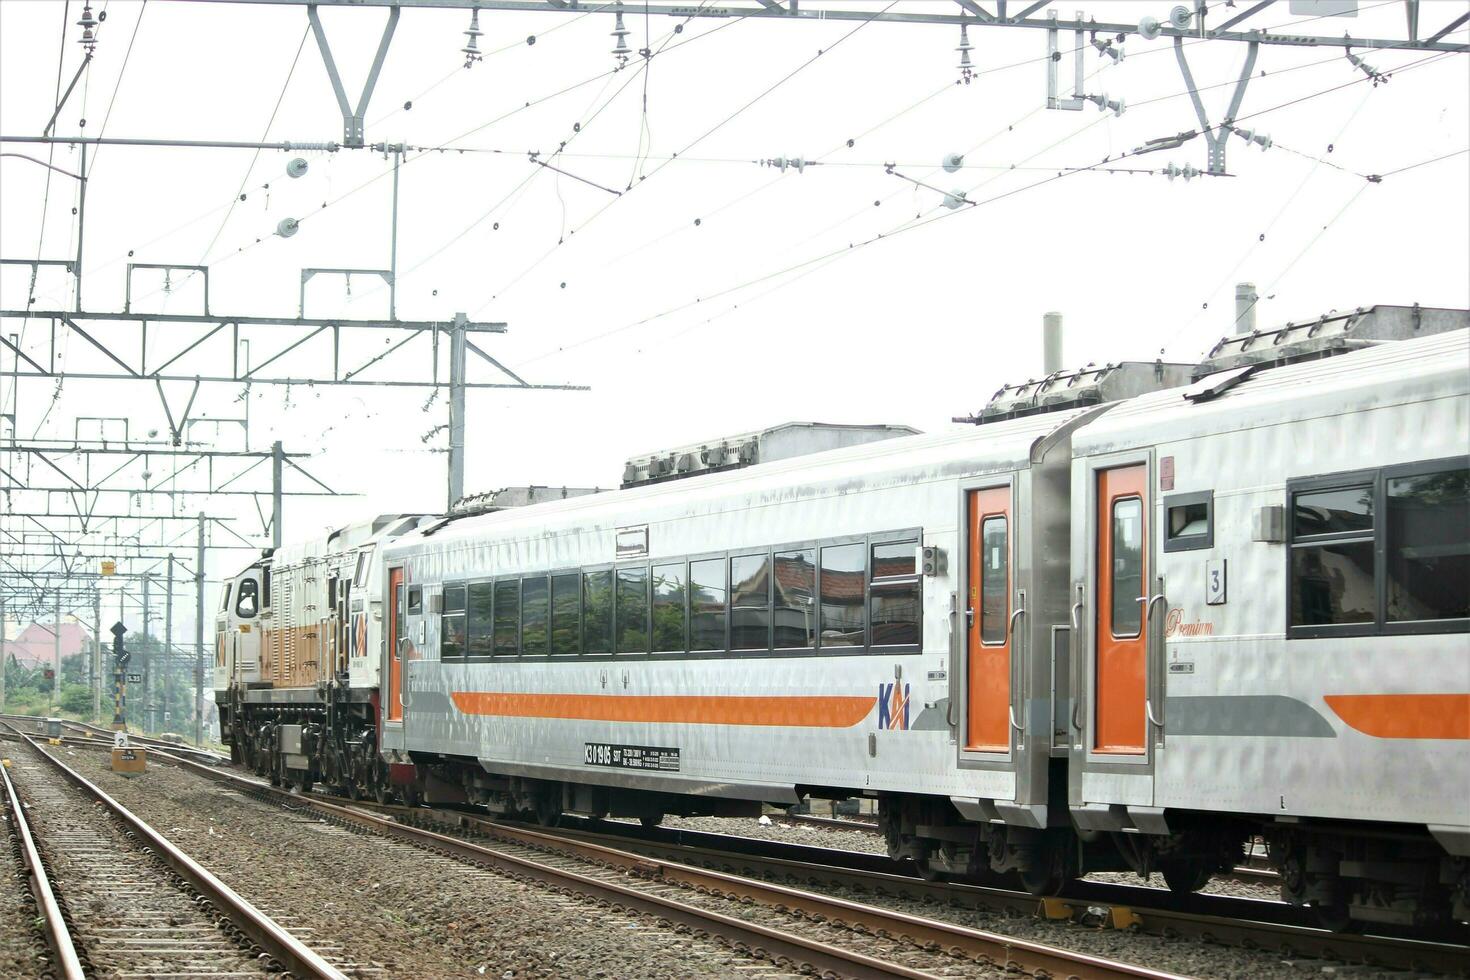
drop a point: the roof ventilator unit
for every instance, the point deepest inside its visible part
(1080, 388)
(1330, 334)
(749, 448)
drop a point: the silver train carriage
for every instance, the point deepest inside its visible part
(1076, 637)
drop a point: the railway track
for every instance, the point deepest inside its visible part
(794, 929)
(33, 725)
(116, 898)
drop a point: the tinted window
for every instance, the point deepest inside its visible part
(895, 612)
(481, 623)
(842, 595)
(994, 580)
(453, 598)
(415, 599)
(750, 602)
(451, 636)
(224, 601)
(265, 588)
(893, 558)
(1127, 570)
(535, 609)
(1428, 546)
(507, 617)
(707, 604)
(632, 614)
(668, 608)
(247, 602)
(597, 609)
(566, 614)
(1332, 583)
(796, 599)
(1341, 511)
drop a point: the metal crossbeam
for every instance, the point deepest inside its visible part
(759, 10)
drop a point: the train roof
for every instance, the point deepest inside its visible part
(905, 459)
(1251, 396)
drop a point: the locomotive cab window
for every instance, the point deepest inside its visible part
(1381, 552)
(224, 602)
(1189, 521)
(415, 600)
(247, 602)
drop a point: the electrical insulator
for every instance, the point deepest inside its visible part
(471, 50)
(619, 35)
(88, 24)
(967, 69)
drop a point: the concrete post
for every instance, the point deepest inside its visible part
(1051, 343)
(456, 407)
(199, 636)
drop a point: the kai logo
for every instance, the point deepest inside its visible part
(893, 707)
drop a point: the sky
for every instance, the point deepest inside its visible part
(696, 290)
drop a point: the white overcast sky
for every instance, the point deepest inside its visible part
(717, 295)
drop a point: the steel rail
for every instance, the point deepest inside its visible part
(53, 923)
(1003, 951)
(290, 952)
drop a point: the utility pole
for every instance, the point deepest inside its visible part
(4, 656)
(56, 653)
(168, 629)
(97, 654)
(199, 636)
(147, 656)
(278, 457)
(456, 407)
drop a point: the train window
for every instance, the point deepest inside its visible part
(1428, 538)
(842, 601)
(1381, 552)
(893, 598)
(1342, 510)
(631, 616)
(893, 559)
(454, 598)
(507, 617)
(566, 614)
(1127, 567)
(1332, 574)
(265, 588)
(795, 586)
(452, 623)
(669, 612)
(480, 619)
(1189, 521)
(750, 602)
(535, 618)
(415, 600)
(707, 604)
(224, 601)
(597, 603)
(995, 583)
(247, 600)
(359, 575)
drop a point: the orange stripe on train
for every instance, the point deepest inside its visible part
(1405, 715)
(794, 712)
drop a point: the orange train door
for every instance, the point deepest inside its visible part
(1121, 723)
(396, 637)
(988, 723)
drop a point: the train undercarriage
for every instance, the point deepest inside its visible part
(1349, 874)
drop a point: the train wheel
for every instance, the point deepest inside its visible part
(926, 869)
(548, 814)
(1184, 877)
(651, 820)
(1042, 881)
(381, 794)
(1335, 918)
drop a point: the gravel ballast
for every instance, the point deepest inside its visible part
(21, 943)
(400, 909)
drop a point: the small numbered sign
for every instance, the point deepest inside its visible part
(1215, 582)
(135, 678)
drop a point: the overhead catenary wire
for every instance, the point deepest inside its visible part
(912, 225)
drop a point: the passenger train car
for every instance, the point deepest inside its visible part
(1132, 618)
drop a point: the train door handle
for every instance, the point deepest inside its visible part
(1018, 669)
(1148, 708)
(1078, 652)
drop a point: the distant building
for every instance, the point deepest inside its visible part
(36, 644)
